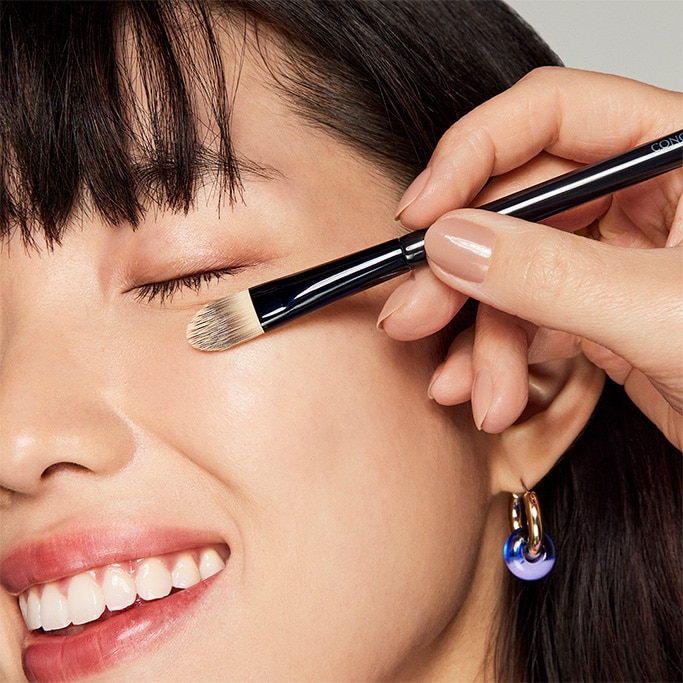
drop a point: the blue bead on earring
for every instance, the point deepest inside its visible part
(528, 552)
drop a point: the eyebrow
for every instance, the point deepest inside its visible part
(152, 173)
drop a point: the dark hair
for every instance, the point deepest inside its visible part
(387, 78)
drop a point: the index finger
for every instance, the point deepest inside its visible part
(576, 115)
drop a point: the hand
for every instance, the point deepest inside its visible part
(547, 293)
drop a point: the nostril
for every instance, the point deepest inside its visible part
(60, 467)
(44, 432)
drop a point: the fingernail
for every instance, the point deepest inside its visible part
(435, 378)
(397, 298)
(461, 248)
(413, 191)
(482, 396)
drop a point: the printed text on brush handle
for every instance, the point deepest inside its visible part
(596, 180)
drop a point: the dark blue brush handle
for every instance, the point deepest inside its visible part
(281, 300)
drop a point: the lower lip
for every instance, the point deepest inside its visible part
(108, 644)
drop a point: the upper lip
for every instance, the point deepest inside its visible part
(60, 556)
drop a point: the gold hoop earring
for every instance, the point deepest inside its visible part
(529, 552)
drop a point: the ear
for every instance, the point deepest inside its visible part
(562, 397)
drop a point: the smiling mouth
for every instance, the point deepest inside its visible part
(69, 605)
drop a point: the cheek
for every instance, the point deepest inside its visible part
(322, 444)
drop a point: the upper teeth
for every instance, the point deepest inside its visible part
(83, 597)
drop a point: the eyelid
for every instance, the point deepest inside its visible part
(165, 289)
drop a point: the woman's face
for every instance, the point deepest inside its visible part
(345, 503)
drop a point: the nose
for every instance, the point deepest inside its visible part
(56, 410)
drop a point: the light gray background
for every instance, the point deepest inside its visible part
(641, 39)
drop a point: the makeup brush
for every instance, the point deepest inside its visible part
(240, 317)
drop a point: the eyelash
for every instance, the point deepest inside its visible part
(164, 291)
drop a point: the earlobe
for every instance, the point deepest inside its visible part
(562, 397)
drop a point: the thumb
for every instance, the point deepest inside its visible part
(628, 300)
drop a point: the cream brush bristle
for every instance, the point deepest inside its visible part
(224, 323)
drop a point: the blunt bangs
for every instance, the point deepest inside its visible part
(100, 110)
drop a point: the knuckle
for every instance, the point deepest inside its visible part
(547, 271)
(461, 139)
(553, 275)
(541, 76)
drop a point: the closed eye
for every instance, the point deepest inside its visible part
(164, 291)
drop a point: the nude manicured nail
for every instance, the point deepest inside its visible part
(395, 301)
(413, 191)
(435, 378)
(482, 396)
(461, 248)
